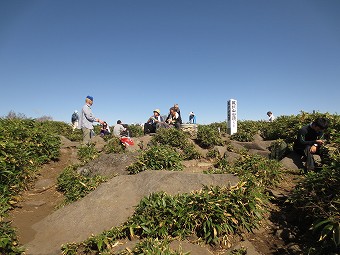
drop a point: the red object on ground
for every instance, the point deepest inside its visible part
(127, 141)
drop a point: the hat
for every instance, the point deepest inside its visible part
(89, 97)
(75, 111)
(157, 110)
(191, 113)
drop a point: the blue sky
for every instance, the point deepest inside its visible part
(137, 55)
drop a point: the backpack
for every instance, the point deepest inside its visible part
(74, 117)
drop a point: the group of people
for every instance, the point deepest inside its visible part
(86, 119)
(157, 121)
(308, 141)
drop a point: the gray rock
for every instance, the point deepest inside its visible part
(111, 204)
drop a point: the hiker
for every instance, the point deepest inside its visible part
(174, 118)
(271, 117)
(153, 122)
(309, 140)
(74, 120)
(177, 109)
(86, 120)
(119, 130)
(192, 118)
(105, 129)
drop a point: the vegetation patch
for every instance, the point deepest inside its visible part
(24, 146)
(317, 199)
(159, 157)
(114, 145)
(213, 214)
(178, 140)
(208, 136)
(74, 185)
(87, 153)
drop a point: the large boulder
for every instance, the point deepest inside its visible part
(111, 204)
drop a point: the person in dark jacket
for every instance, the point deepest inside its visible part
(309, 140)
(174, 118)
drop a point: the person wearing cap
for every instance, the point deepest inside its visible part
(153, 122)
(87, 119)
(75, 120)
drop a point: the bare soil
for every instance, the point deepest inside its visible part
(42, 228)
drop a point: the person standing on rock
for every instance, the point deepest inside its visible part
(309, 140)
(87, 119)
(192, 118)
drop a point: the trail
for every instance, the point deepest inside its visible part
(42, 198)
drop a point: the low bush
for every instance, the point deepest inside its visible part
(114, 145)
(208, 137)
(135, 130)
(159, 157)
(317, 201)
(255, 169)
(213, 214)
(176, 139)
(74, 185)
(87, 153)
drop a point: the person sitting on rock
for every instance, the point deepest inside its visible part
(119, 130)
(104, 130)
(309, 140)
(153, 122)
(174, 119)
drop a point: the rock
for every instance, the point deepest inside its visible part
(244, 244)
(44, 184)
(34, 203)
(190, 129)
(293, 248)
(111, 204)
(292, 161)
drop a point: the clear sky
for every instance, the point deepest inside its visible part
(134, 56)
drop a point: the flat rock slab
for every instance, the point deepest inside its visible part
(43, 184)
(111, 204)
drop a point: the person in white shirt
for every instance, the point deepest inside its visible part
(271, 117)
(119, 129)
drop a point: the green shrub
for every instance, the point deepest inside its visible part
(135, 130)
(242, 136)
(114, 145)
(212, 214)
(207, 137)
(177, 139)
(87, 153)
(74, 185)
(160, 157)
(213, 153)
(316, 199)
(246, 130)
(151, 246)
(254, 169)
(24, 145)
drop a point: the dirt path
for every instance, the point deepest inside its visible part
(42, 199)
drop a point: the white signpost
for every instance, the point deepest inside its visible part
(232, 116)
